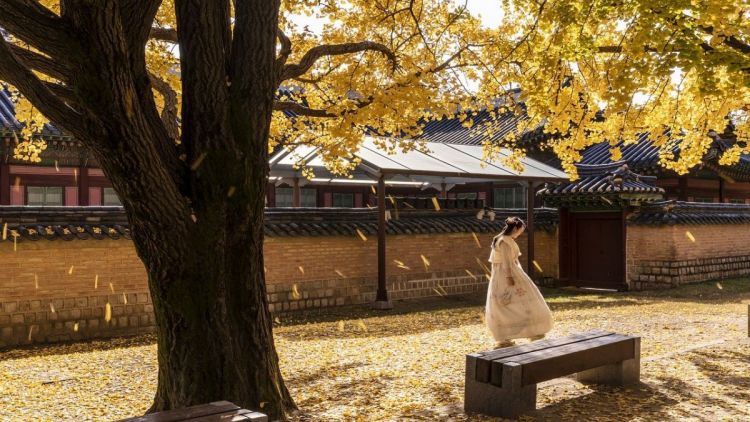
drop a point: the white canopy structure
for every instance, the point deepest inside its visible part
(437, 164)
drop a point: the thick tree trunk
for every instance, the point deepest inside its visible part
(215, 338)
(202, 245)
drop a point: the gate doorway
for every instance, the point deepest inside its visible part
(592, 249)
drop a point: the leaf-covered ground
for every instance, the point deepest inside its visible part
(351, 364)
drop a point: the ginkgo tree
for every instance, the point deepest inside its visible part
(184, 138)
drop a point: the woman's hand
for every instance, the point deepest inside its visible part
(510, 281)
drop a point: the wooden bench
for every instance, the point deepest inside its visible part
(502, 382)
(218, 411)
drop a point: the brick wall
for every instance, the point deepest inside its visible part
(665, 256)
(42, 300)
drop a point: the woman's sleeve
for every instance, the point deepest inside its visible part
(506, 252)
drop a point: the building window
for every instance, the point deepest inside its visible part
(510, 197)
(308, 197)
(343, 200)
(703, 199)
(109, 197)
(45, 195)
(736, 201)
(466, 195)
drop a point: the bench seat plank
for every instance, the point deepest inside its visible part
(484, 359)
(547, 364)
(220, 411)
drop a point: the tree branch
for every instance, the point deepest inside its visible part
(314, 54)
(164, 34)
(15, 73)
(169, 113)
(36, 25)
(300, 109)
(137, 17)
(286, 49)
(41, 63)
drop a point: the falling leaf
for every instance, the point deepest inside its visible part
(230, 191)
(436, 203)
(194, 218)
(295, 292)
(277, 320)
(393, 201)
(262, 404)
(5, 231)
(425, 261)
(408, 205)
(398, 262)
(372, 188)
(476, 239)
(361, 235)
(57, 167)
(107, 312)
(719, 286)
(36, 281)
(438, 292)
(341, 326)
(606, 200)
(302, 270)
(536, 265)
(51, 307)
(15, 244)
(340, 274)
(96, 281)
(31, 330)
(124, 299)
(471, 274)
(75, 175)
(75, 327)
(111, 287)
(361, 325)
(690, 236)
(198, 161)
(70, 270)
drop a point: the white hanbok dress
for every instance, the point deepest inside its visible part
(517, 311)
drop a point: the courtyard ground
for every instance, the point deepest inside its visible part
(350, 364)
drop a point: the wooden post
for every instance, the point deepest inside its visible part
(682, 188)
(295, 193)
(443, 191)
(721, 190)
(381, 298)
(83, 185)
(4, 181)
(530, 229)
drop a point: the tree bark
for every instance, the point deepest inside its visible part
(203, 250)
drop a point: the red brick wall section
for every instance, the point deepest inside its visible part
(302, 273)
(665, 256)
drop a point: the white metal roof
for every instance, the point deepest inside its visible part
(450, 163)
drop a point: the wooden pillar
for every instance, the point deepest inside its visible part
(682, 188)
(721, 190)
(295, 193)
(83, 186)
(4, 182)
(381, 298)
(443, 191)
(530, 228)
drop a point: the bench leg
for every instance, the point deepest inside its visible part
(491, 400)
(627, 372)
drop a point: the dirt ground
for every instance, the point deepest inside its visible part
(350, 364)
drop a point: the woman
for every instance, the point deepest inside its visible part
(515, 307)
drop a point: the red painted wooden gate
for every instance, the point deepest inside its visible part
(592, 249)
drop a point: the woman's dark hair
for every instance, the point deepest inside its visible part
(511, 223)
